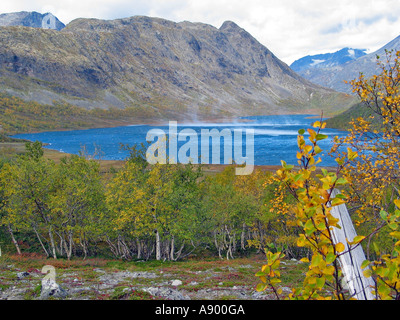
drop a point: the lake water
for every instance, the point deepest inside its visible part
(275, 138)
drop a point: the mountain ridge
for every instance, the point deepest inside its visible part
(158, 66)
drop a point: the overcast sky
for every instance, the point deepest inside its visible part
(290, 29)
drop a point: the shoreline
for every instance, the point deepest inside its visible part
(57, 155)
(115, 123)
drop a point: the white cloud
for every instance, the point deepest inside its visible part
(290, 29)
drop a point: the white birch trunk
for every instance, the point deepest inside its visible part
(158, 246)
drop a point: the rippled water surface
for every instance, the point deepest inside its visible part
(275, 138)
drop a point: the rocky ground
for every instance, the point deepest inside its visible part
(208, 282)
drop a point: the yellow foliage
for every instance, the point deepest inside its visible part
(369, 169)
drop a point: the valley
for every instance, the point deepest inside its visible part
(155, 69)
(86, 214)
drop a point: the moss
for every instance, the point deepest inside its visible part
(33, 293)
(228, 297)
(119, 293)
(126, 293)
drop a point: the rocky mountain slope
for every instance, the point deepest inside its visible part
(31, 19)
(334, 76)
(305, 65)
(159, 67)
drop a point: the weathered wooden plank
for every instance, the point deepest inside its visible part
(359, 286)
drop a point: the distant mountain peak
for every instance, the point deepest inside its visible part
(31, 19)
(342, 66)
(327, 59)
(229, 25)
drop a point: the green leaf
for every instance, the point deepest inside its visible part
(351, 155)
(275, 281)
(383, 215)
(393, 226)
(320, 282)
(315, 261)
(339, 161)
(340, 196)
(367, 273)
(309, 227)
(321, 136)
(336, 201)
(341, 181)
(261, 287)
(357, 239)
(330, 257)
(301, 131)
(317, 150)
(365, 264)
(297, 177)
(376, 248)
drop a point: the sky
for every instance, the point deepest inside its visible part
(290, 29)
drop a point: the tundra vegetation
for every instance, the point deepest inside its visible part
(71, 209)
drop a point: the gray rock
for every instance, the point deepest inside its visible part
(21, 275)
(50, 289)
(167, 293)
(13, 293)
(99, 270)
(286, 289)
(176, 283)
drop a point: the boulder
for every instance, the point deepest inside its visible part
(50, 289)
(21, 275)
(176, 283)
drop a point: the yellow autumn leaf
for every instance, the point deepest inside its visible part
(340, 247)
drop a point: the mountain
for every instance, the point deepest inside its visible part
(326, 60)
(31, 19)
(158, 67)
(334, 76)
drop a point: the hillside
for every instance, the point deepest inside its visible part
(158, 67)
(341, 121)
(20, 116)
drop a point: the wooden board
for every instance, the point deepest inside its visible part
(358, 285)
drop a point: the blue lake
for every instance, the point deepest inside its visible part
(275, 138)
